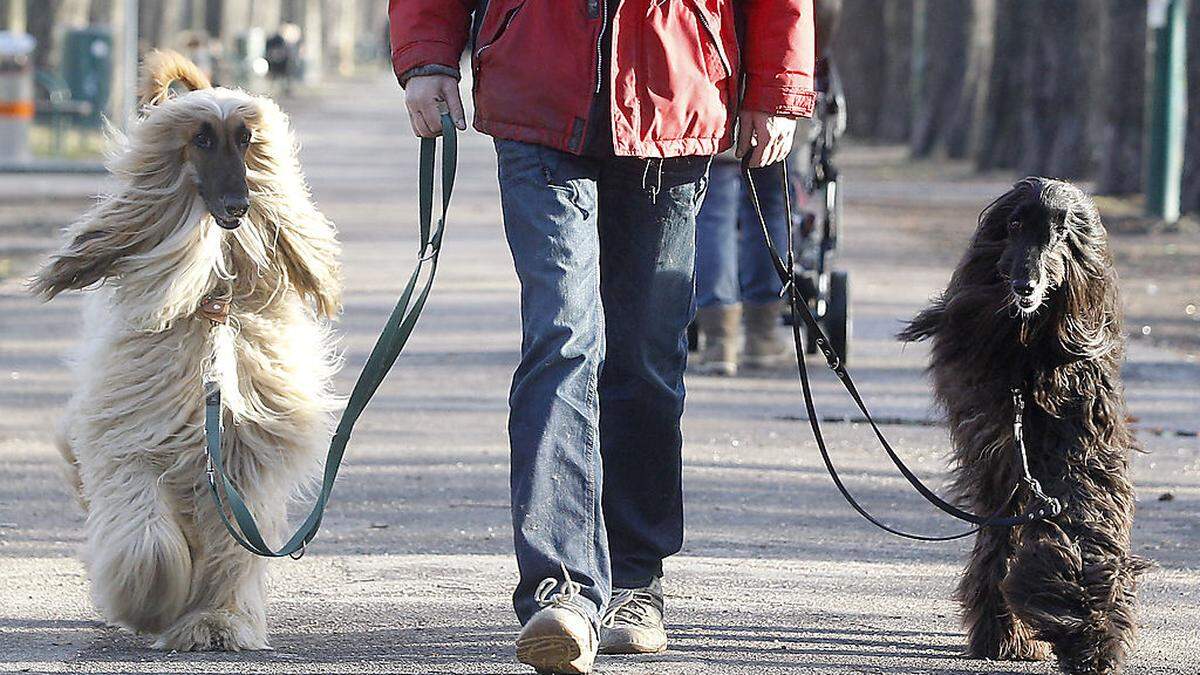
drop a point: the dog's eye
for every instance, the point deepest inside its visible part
(243, 137)
(1014, 226)
(203, 139)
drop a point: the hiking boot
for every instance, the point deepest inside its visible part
(633, 623)
(764, 348)
(719, 329)
(560, 637)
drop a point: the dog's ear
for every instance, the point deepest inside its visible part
(309, 250)
(87, 258)
(924, 325)
(160, 69)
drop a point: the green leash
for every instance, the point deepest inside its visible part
(387, 348)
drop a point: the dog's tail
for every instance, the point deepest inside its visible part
(160, 69)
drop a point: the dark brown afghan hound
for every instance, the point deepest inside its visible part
(1033, 305)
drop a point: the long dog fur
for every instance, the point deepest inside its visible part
(1067, 584)
(158, 556)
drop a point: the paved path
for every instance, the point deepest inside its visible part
(412, 570)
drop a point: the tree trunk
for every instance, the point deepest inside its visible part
(65, 16)
(1122, 98)
(1000, 127)
(160, 21)
(895, 114)
(962, 135)
(345, 22)
(266, 14)
(945, 48)
(860, 52)
(235, 18)
(1056, 139)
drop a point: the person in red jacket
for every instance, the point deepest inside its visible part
(605, 115)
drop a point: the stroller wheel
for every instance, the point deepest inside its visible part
(837, 318)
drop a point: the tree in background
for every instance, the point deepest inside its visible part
(1053, 88)
(345, 29)
(1121, 132)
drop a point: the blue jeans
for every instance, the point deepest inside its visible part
(733, 263)
(604, 249)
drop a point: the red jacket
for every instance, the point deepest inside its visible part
(674, 77)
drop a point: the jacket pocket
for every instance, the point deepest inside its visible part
(495, 35)
(712, 37)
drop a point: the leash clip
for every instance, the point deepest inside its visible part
(1043, 506)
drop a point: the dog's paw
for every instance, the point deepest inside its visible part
(1009, 648)
(214, 631)
(1024, 650)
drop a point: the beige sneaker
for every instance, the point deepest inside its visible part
(633, 623)
(560, 638)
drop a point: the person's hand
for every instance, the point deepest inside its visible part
(426, 97)
(766, 137)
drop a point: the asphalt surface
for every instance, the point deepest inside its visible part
(412, 570)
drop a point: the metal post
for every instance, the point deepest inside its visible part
(1167, 20)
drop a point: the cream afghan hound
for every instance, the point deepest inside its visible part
(209, 262)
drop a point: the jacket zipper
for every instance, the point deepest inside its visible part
(600, 43)
(712, 35)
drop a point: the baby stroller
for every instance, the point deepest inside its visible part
(818, 216)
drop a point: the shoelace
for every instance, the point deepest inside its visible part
(636, 603)
(567, 590)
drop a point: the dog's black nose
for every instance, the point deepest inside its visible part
(236, 207)
(1022, 288)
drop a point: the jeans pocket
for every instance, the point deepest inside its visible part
(533, 163)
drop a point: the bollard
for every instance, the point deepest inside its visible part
(16, 96)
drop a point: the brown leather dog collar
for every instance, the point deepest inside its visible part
(214, 309)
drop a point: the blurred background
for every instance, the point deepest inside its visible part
(1090, 90)
(1094, 90)
(66, 64)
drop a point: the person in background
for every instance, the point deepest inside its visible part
(605, 115)
(737, 289)
(282, 52)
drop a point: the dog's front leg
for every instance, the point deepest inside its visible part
(136, 553)
(227, 607)
(993, 632)
(1046, 588)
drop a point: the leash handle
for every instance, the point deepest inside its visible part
(391, 342)
(800, 312)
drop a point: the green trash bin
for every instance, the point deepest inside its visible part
(87, 68)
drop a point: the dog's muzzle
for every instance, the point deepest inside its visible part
(228, 223)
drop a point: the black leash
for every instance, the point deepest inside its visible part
(1041, 506)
